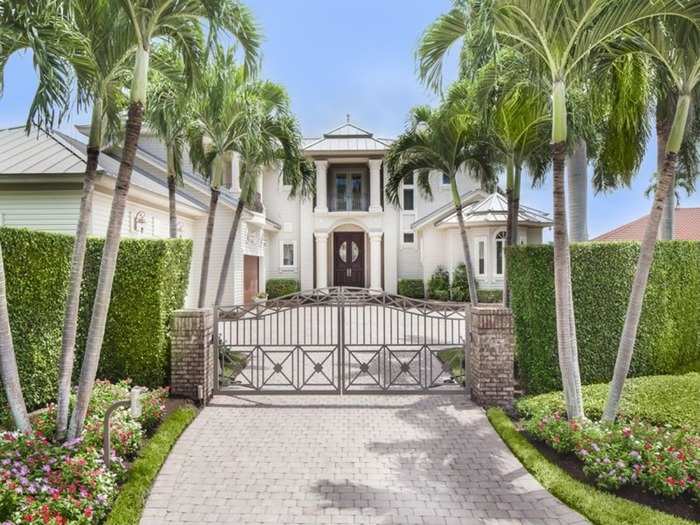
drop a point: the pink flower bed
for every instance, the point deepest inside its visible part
(663, 460)
(43, 482)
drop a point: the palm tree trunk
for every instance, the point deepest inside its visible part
(204, 275)
(172, 188)
(516, 204)
(108, 264)
(566, 323)
(457, 201)
(511, 229)
(8, 363)
(510, 181)
(663, 128)
(646, 257)
(577, 175)
(229, 251)
(70, 317)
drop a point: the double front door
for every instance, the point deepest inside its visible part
(349, 259)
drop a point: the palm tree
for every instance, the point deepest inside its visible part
(565, 36)
(180, 23)
(516, 126)
(102, 67)
(445, 140)
(169, 114)
(42, 27)
(270, 135)
(213, 138)
(674, 44)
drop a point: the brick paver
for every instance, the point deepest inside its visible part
(351, 459)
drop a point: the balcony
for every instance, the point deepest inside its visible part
(348, 190)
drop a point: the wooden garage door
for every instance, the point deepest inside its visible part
(251, 276)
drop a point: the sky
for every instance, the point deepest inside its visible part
(339, 57)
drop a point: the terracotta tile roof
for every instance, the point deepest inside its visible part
(686, 227)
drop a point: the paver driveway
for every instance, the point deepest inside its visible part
(351, 459)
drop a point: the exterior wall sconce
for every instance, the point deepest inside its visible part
(134, 405)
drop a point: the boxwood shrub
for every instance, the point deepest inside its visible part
(280, 287)
(150, 282)
(668, 337)
(414, 288)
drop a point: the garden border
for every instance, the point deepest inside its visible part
(131, 498)
(599, 507)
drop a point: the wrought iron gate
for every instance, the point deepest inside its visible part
(341, 340)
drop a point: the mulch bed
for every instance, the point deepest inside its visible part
(682, 507)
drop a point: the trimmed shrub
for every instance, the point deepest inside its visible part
(459, 289)
(668, 338)
(439, 285)
(489, 296)
(150, 282)
(280, 287)
(659, 400)
(414, 288)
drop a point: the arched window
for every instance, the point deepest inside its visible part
(500, 243)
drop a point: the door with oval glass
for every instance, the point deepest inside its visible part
(349, 259)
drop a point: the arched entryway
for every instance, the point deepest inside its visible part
(349, 256)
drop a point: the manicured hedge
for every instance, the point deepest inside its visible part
(659, 400)
(489, 296)
(280, 287)
(150, 281)
(414, 288)
(668, 338)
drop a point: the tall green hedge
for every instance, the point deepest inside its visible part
(669, 334)
(150, 282)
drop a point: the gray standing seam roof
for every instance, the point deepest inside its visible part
(37, 153)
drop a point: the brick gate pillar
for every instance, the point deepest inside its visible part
(491, 355)
(192, 354)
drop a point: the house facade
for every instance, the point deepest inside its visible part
(349, 235)
(346, 235)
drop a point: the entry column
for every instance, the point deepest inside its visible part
(321, 259)
(321, 186)
(375, 270)
(375, 185)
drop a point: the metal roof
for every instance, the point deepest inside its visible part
(347, 138)
(447, 209)
(38, 153)
(494, 209)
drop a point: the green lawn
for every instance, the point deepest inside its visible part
(132, 495)
(658, 400)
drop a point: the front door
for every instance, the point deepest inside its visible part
(349, 259)
(251, 275)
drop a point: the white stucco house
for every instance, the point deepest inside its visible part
(348, 235)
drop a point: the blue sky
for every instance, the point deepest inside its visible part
(337, 57)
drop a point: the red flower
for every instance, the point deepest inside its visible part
(670, 481)
(88, 512)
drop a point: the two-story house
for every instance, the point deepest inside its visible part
(347, 235)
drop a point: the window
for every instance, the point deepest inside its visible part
(481, 256)
(408, 193)
(500, 243)
(445, 180)
(348, 190)
(288, 254)
(409, 237)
